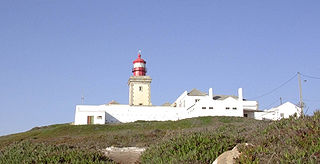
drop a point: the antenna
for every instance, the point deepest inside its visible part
(82, 99)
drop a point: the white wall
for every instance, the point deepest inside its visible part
(186, 108)
(187, 101)
(219, 108)
(179, 102)
(83, 111)
(283, 111)
(289, 109)
(126, 113)
(250, 105)
(269, 115)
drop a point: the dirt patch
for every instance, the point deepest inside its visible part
(125, 155)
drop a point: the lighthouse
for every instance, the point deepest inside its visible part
(139, 83)
(139, 66)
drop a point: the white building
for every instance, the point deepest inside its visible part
(195, 104)
(282, 111)
(189, 104)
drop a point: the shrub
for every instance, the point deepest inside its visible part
(193, 148)
(293, 140)
(27, 152)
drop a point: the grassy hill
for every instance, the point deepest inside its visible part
(293, 140)
(196, 140)
(140, 133)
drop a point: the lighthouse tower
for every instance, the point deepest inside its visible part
(139, 83)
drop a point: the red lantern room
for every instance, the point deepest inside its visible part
(139, 66)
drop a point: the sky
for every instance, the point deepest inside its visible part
(53, 52)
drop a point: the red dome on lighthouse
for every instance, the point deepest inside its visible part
(139, 66)
(139, 60)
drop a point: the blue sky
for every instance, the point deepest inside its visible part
(52, 52)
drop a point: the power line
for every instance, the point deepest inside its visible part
(267, 93)
(268, 106)
(308, 100)
(312, 77)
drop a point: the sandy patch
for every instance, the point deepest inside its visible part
(125, 155)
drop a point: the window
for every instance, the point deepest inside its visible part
(234, 108)
(196, 100)
(227, 108)
(204, 108)
(210, 107)
(282, 115)
(140, 88)
(140, 103)
(245, 115)
(99, 117)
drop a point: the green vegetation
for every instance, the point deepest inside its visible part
(194, 148)
(27, 152)
(293, 140)
(139, 133)
(196, 140)
(203, 145)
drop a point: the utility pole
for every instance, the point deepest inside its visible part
(280, 100)
(300, 94)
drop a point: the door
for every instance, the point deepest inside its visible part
(90, 120)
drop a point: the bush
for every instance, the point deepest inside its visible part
(293, 140)
(194, 148)
(27, 152)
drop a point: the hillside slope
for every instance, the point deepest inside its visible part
(293, 140)
(196, 140)
(139, 133)
(66, 143)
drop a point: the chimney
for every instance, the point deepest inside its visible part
(240, 94)
(210, 93)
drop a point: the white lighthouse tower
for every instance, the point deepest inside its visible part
(139, 83)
